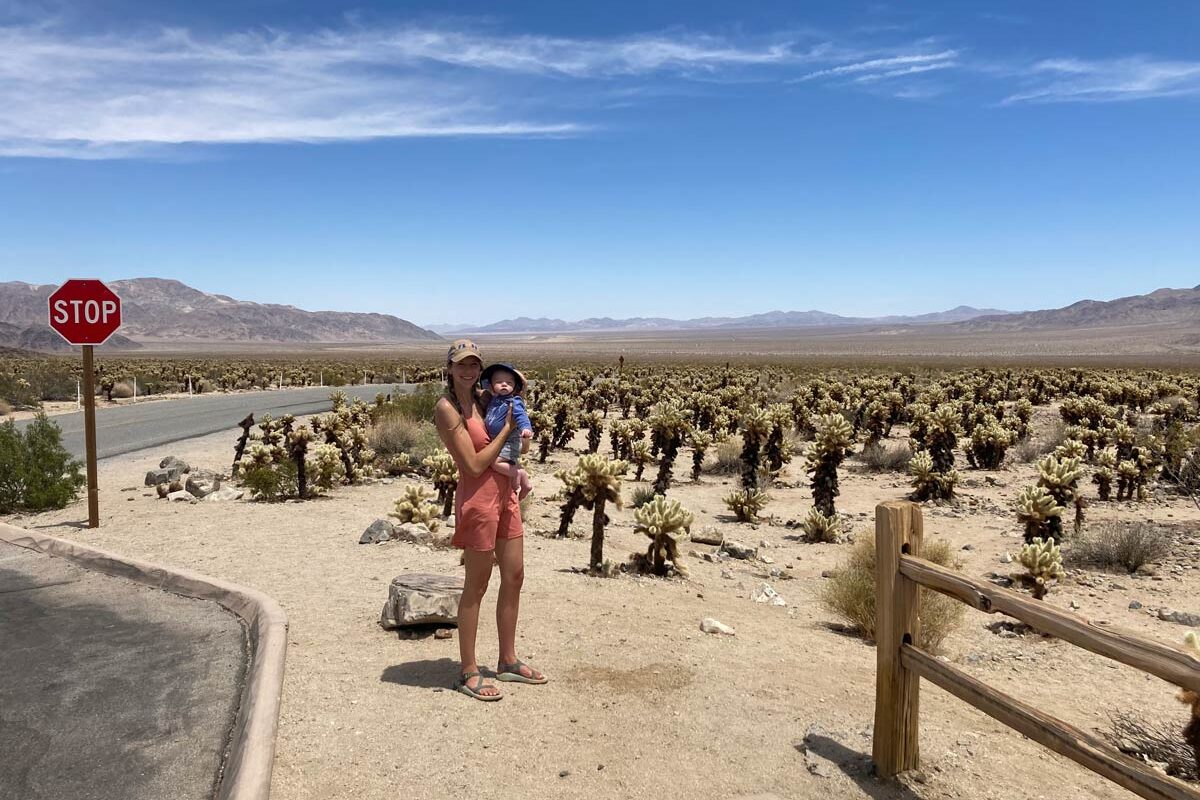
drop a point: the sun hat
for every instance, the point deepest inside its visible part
(487, 373)
(462, 348)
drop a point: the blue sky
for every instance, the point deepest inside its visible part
(469, 161)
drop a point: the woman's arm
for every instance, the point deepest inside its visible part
(454, 436)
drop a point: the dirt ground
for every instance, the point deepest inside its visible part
(641, 703)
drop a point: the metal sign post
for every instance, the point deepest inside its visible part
(86, 313)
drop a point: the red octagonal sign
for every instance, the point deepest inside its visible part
(85, 312)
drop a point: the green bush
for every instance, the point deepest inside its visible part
(271, 482)
(36, 472)
(417, 405)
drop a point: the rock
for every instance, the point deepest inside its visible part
(710, 625)
(766, 559)
(968, 546)
(175, 467)
(1006, 558)
(157, 476)
(727, 574)
(1135, 605)
(738, 550)
(175, 485)
(414, 532)
(766, 594)
(708, 535)
(1180, 617)
(224, 494)
(201, 486)
(828, 573)
(443, 633)
(378, 531)
(421, 599)
(181, 497)
(163, 490)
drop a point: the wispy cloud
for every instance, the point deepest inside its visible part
(1104, 81)
(114, 95)
(894, 66)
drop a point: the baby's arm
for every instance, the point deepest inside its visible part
(521, 418)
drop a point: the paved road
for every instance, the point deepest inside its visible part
(110, 690)
(154, 423)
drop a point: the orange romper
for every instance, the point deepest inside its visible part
(485, 508)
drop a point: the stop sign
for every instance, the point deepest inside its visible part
(84, 311)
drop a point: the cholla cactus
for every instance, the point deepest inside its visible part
(942, 430)
(820, 528)
(601, 484)
(297, 442)
(594, 422)
(1071, 448)
(1043, 563)
(444, 474)
(834, 436)
(1127, 478)
(416, 505)
(639, 456)
(700, 442)
(756, 426)
(666, 522)
(926, 482)
(1039, 513)
(669, 424)
(989, 442)
(1106, 462)
(747, 503)
(777, 454)
(1060, 477)
(325, 463)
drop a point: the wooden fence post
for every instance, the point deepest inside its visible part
(897, 690)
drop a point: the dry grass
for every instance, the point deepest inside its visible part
(726, 458)
(396, 433)
(1157, 741)
(850, 593)
(882, 457)
(1124, 545)
(123, 390)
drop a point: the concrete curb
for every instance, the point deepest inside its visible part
(247, 769)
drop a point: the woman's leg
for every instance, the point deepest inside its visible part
(511, 555)
(479, 571)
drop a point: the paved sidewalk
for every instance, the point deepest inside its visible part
(110, 690)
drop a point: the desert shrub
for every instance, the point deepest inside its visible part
(1156, 741)
(36, 471)
(879, 457)
(272, 481)
(727, 457)
(417, 405)
(850, 593)
(1027, 451)
(746, 503)
(641, 496)
(392, 434)
(123, 390)
(5, 408)
(1124, 545)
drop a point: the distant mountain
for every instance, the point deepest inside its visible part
(42, 339)
(1179, 307)
(161, 310)
(771, 319)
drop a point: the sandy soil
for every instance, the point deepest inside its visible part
(642, 704)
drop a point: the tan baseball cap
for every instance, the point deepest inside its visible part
(463, 348)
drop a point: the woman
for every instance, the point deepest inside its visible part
(487, 523)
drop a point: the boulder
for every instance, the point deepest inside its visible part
(421, 599)
(224, 494)
(381, 530)
(171, 462)
(181, 497)
(201, 486)
(414, 532)
(157, 476)
(708, 535)
(739, 550)
(1180, 617)
(163, 490)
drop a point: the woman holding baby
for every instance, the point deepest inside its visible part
(487, 507)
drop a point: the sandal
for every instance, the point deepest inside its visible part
(512, 672)
(464, 686)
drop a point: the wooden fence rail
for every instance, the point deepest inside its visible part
(901, 663)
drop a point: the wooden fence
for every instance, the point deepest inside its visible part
(902, 664)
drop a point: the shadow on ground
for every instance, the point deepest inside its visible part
(823, 754)
(441, 673)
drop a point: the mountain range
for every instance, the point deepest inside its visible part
(771, 319)
(159, 310)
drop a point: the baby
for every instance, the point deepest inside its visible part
(504, 382)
